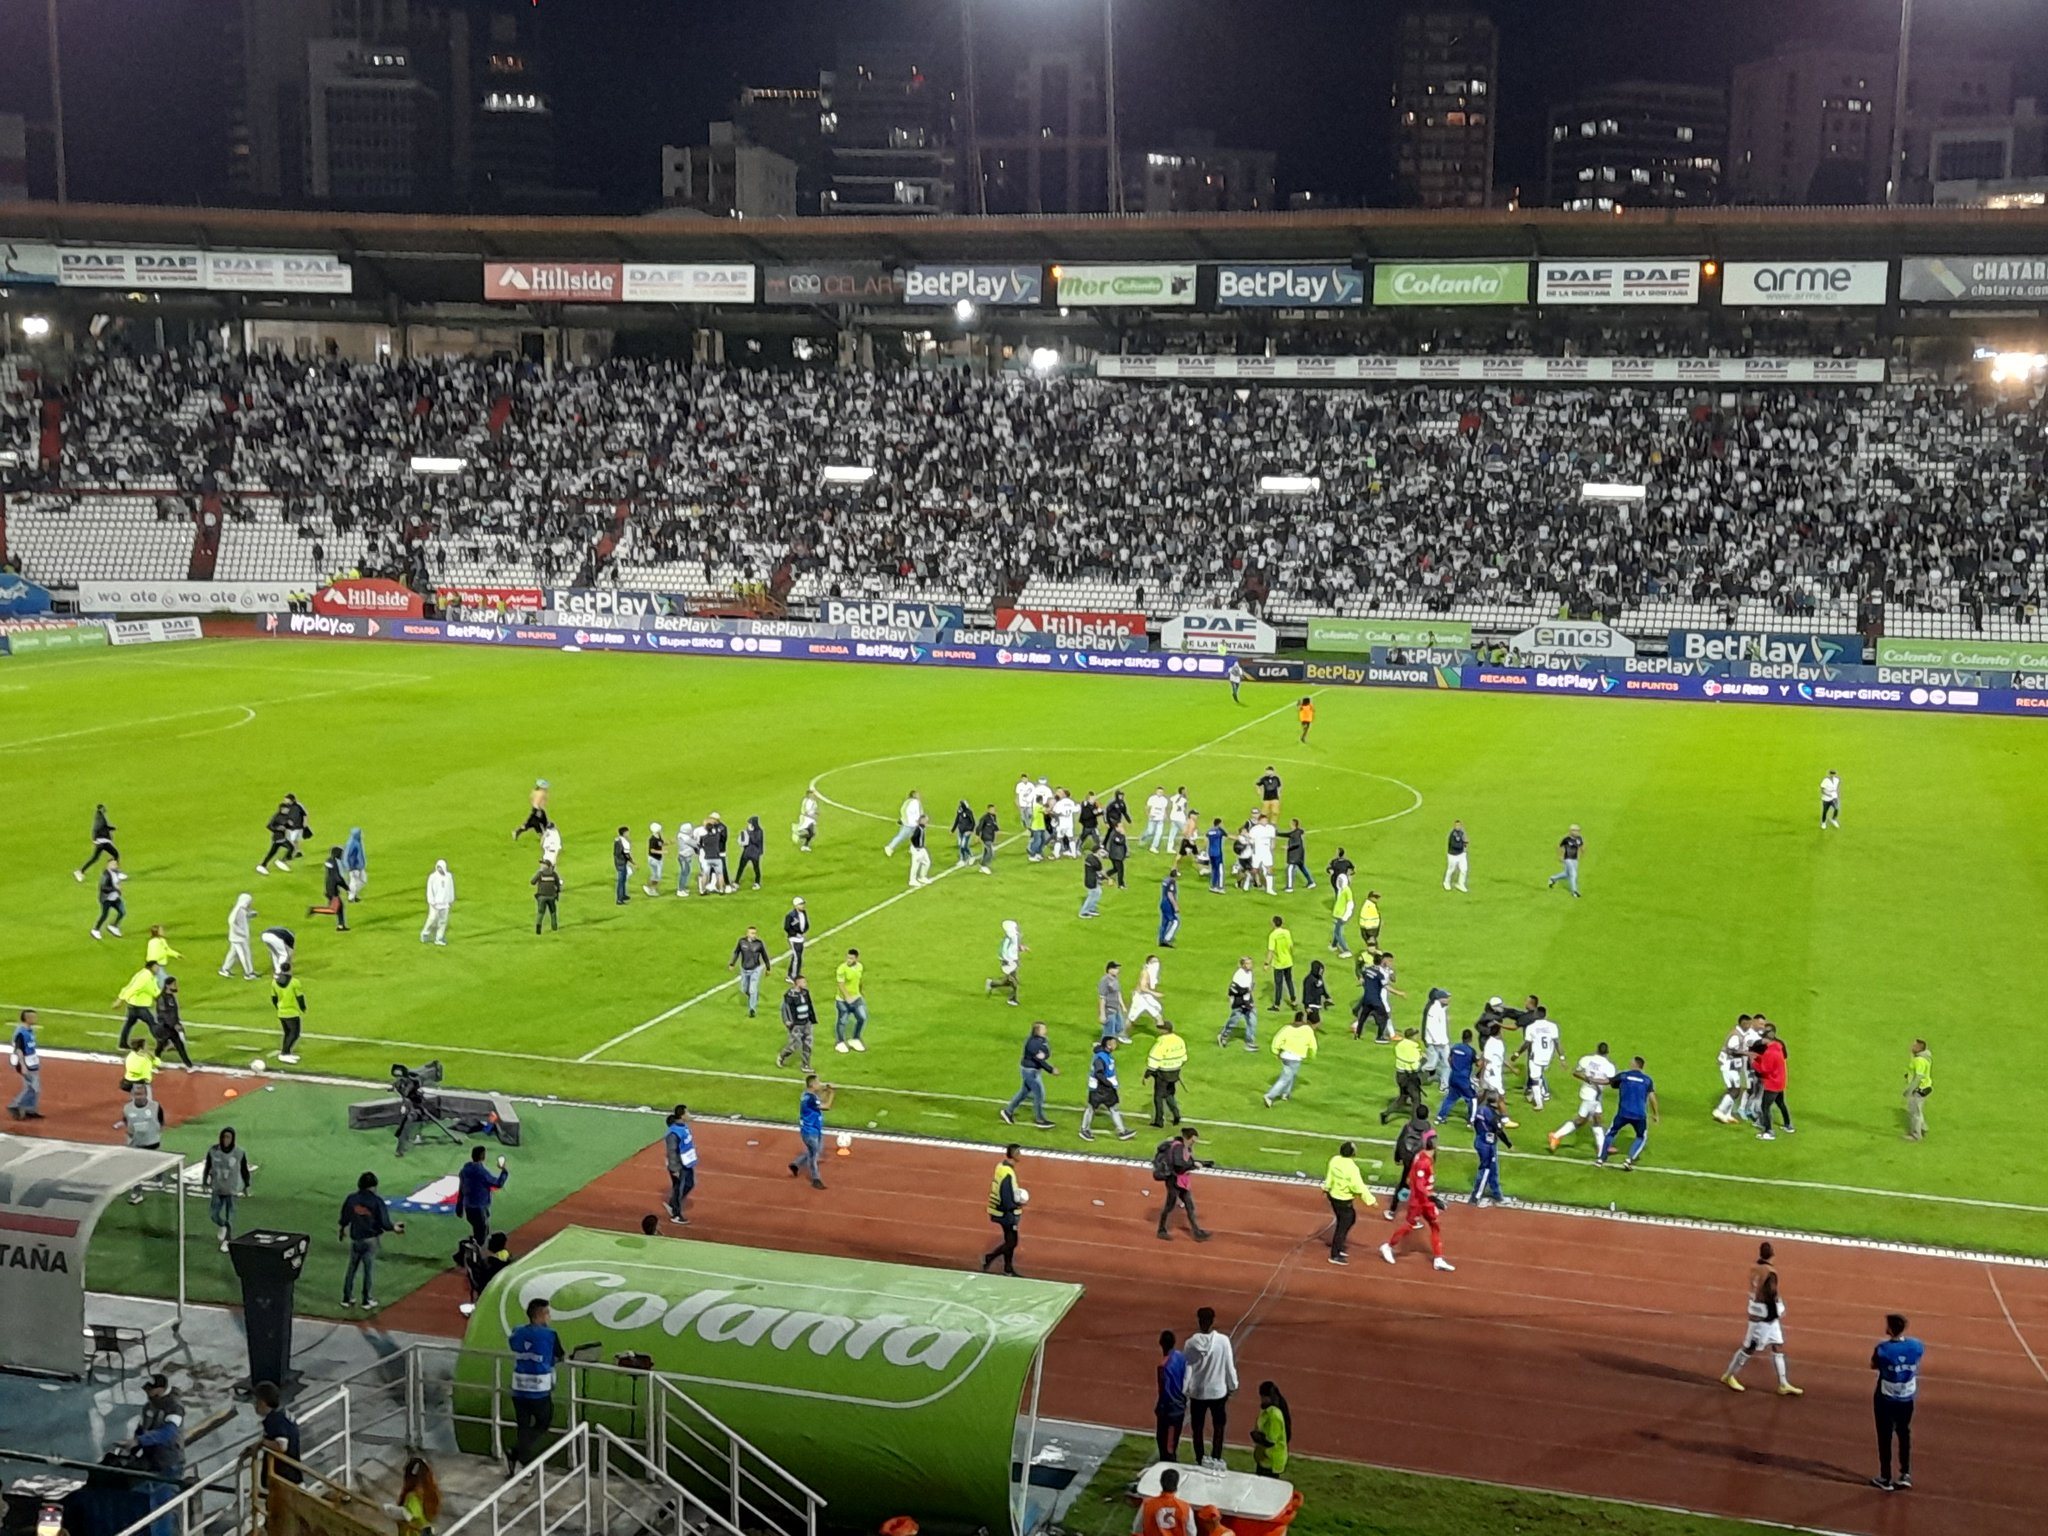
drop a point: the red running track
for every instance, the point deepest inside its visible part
(1572, 1353)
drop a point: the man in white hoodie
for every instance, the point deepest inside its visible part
(238, 938)
(440, 898)
(1212, 1377)
(907, 818)
(1436, 1037)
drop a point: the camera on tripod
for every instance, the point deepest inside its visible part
(420, 1117)
(411, 1084)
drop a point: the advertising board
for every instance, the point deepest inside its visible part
(1362, 635)
(1438, 283)
(1102, 285)
(1450, 368)
(1618, 282)
(1804, 284)
(368, 594)
(949, 283)
(553, 282)
(182, 596)
(1289, 285)
(1214, 629)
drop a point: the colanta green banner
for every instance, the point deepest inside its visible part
(1450, 282)
(70, 637)
(1971, 655)
(1361, 635)
(888, 1389)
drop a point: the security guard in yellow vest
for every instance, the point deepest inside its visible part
(1163, 1064)
(1006, 1199)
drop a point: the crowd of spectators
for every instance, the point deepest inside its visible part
(1922, 495)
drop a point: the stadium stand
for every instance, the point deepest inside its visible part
(1769, 506)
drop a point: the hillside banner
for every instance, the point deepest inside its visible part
(1360, 636)
(885, 1388)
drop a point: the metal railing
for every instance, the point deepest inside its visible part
(552, 1493)
(227, 1501)
(635, 1496)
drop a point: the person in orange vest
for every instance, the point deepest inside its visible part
(1166, 1513)
(1305, 712)
(1209, 1522)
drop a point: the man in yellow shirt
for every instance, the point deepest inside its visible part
(139, 1066)
(1341, 909)
(1369, 921)
(1344, 1186)
(1293, 1045)
(158, 954)
(1163, 1064)
(1407, 1076)
(1919, 1084)
(1280, 961)
(139, 998)
(850, 1006)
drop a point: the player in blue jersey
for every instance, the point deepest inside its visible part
(1635, 1094)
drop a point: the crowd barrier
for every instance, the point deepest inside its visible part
(1856, 687)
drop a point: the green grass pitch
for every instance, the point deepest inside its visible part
(1708, 891)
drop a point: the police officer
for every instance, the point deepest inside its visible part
(1005, 1209)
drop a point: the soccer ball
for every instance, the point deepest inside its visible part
(845, 1140)
(1023, 1197)
(256, 1065)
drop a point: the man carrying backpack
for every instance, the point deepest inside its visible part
(1174, 1162)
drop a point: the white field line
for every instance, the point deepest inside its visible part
(1101, 1159)
(1992, 1275)
(1330, 1137)
(889, 901)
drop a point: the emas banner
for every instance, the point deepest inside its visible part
(890, 1387)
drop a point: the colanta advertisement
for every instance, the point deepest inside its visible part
(1438, 283)
(890, 1387)
(1360, 636)
(55, 637)
(842, 282)
(1289, 285)
(553, 282)
(696, 283)
(1804, 284)
(1104, 286)
(1618, 282)
(1009, 287)
(368, 595)
(1969, 655)
(1973, 279)
(1212, 629)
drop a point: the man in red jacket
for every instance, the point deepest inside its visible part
(1422, 1206)
(1770, 1076)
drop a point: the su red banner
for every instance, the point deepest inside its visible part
(369, 595)
(1075, 626)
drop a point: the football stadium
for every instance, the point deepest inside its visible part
(1175, 871)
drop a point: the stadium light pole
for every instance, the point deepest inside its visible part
(1894, 182)
(56, 94)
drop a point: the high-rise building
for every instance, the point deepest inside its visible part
(421, 104)
(887, 128)
(1813, 123)
(1444, 103)
(788, 120)
(1637, 144)
(728, 178)
(1045, 143)
(1191, 174)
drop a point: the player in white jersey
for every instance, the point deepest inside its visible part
(1262, 836)
(1594, 1073)
(1493, 1058)
(1025, 795)
(1145, 996)
(1066, 815)
(805, 828)
(1764, 1327)
(1831, 801)
(1733, 1062)
(1540, 1041)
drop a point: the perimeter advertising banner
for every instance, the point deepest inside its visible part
(1197, 367)
(1973, 280)
(553, 282)
(1214, 629)
(833, 282)
(1970, 655)
(53, 637)
(889, 1388)
(19, 596)
(182, 596)
(689, 283)
(368, 594)
(1438, 283)
(26, 262)
(1077, 628)
(81, 266)
(1738, 645)
(1362, 635)
(1618, 282)
(1804, 284)
(1572, 639)
(1289, 285)
(1101, 285)
(891, 613)
(950, 283)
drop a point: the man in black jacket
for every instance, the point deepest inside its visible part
(298, 825)
(1406, 1145)
(364, 1221)
(750, 959)
(280, 850)
(990, 830)
(334, 882)
(1117, 846)
(102, 842)
(622, 865)
(711, 841)
(753, 842)
(796, 923)
(547, 895)
(1006, 1210)
(799, 1023)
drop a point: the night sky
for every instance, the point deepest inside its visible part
(1307, 78)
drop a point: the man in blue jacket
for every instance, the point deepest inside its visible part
(536, 1351)
(474, 1187)
(679, 1154)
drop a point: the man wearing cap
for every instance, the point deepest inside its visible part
(160, 1432)
(796, 927)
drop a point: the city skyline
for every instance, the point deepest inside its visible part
(1307, 80)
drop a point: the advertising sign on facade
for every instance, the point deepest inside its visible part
(368, 595)
(843, 282)
(1077, 627)
(1618, 282)
(1212, 629)
(1804, 284)
(25, 262)
(1437, 283)
(1504, 370)
(1102, 285)
(182, 596)
(1572, 639)
(278, 272)
(950, 283)
(552, 282)
(1970, 655)
(1718, 645)
(1973, 279)
(1289, 285)
(889, 612)
(1362, 635)
(129, 267)
(692, 283)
